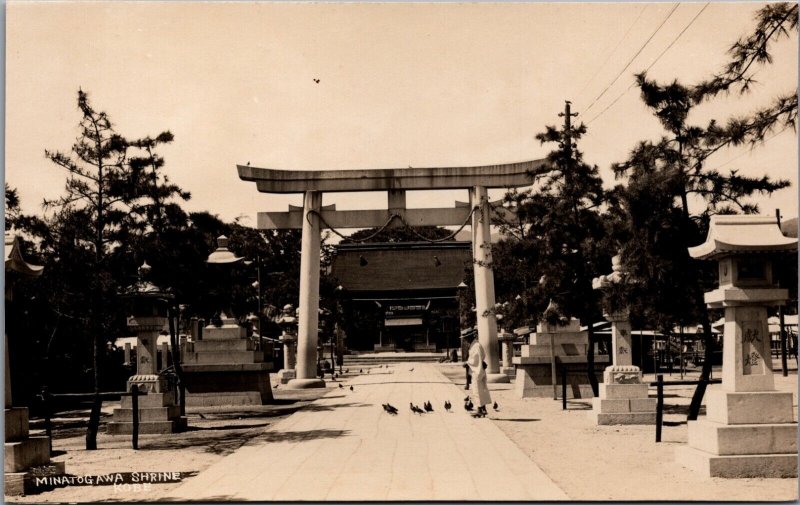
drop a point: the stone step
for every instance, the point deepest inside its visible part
(612, 418)
(749, 466)
(599, 359)
(727, 407)
(223, 345)
(742, 439)
(623, 391)
(225, 357)
(382, 360)
(20, 483)
(150, 400)
(224, 398)
(21, 455)
(623, 405)
(148, 414)
(148, 427)
(224, 333)
(16, 419)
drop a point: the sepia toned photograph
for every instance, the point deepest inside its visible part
(400, 252)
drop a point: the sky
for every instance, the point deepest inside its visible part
(399, 85)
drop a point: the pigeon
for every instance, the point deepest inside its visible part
(351, 388)
(316, 81)
(468, 405)
(495, 406)
(466, 398)
(346, 370)
(447, 405)
(276, 386)
(413, 408)
(391, 409)
(411, 370)
(360, 370)
(416, 409)
(341, 387)
(428, 407)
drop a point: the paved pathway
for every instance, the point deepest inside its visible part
(345, 447)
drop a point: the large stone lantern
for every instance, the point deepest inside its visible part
(288, 323)
(748, 430)
(149, 308)
(623, 397)
(158, 411)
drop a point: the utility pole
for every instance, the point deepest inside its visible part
(566, 145)
(568, 115)
(781, 320)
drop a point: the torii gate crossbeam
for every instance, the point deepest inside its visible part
(311, 217)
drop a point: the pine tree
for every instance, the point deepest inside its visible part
(655, 224)
(97, 174)
(558, 248)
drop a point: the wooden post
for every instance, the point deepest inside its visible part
(553, 366)
(135, 405)
(563, 386)
(48, 427)
(659, 406)
(782, 322)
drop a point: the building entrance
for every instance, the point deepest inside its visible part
(312, 217)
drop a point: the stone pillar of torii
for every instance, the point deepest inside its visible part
(313, 217)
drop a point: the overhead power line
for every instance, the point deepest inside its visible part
(654, 62)
(602, 65)
(678, 36)
(632, 59)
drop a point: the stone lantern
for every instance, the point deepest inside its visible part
(25, 455)
(288, 323)
(623, 397)
(158, 410)
(748, 430)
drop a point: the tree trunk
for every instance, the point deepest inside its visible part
(590, 361)
(705, 374)
(94, 417)
(176, 361)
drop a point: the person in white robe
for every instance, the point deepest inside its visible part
(480, 390)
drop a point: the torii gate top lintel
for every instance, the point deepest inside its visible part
(510, 175)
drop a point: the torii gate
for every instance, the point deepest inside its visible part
(313, 216)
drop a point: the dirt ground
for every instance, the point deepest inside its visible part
(621, 462)
(588, 462)
(213, 433)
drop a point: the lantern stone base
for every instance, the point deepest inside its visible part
(158, 414)
(497, 378)
(306, 383)
(623, 398)
(24, 456)
(218, 385)
(225, 369)
(534, 377)
(21, 483)
(736, 440)
(284, 375)
(566, 343)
